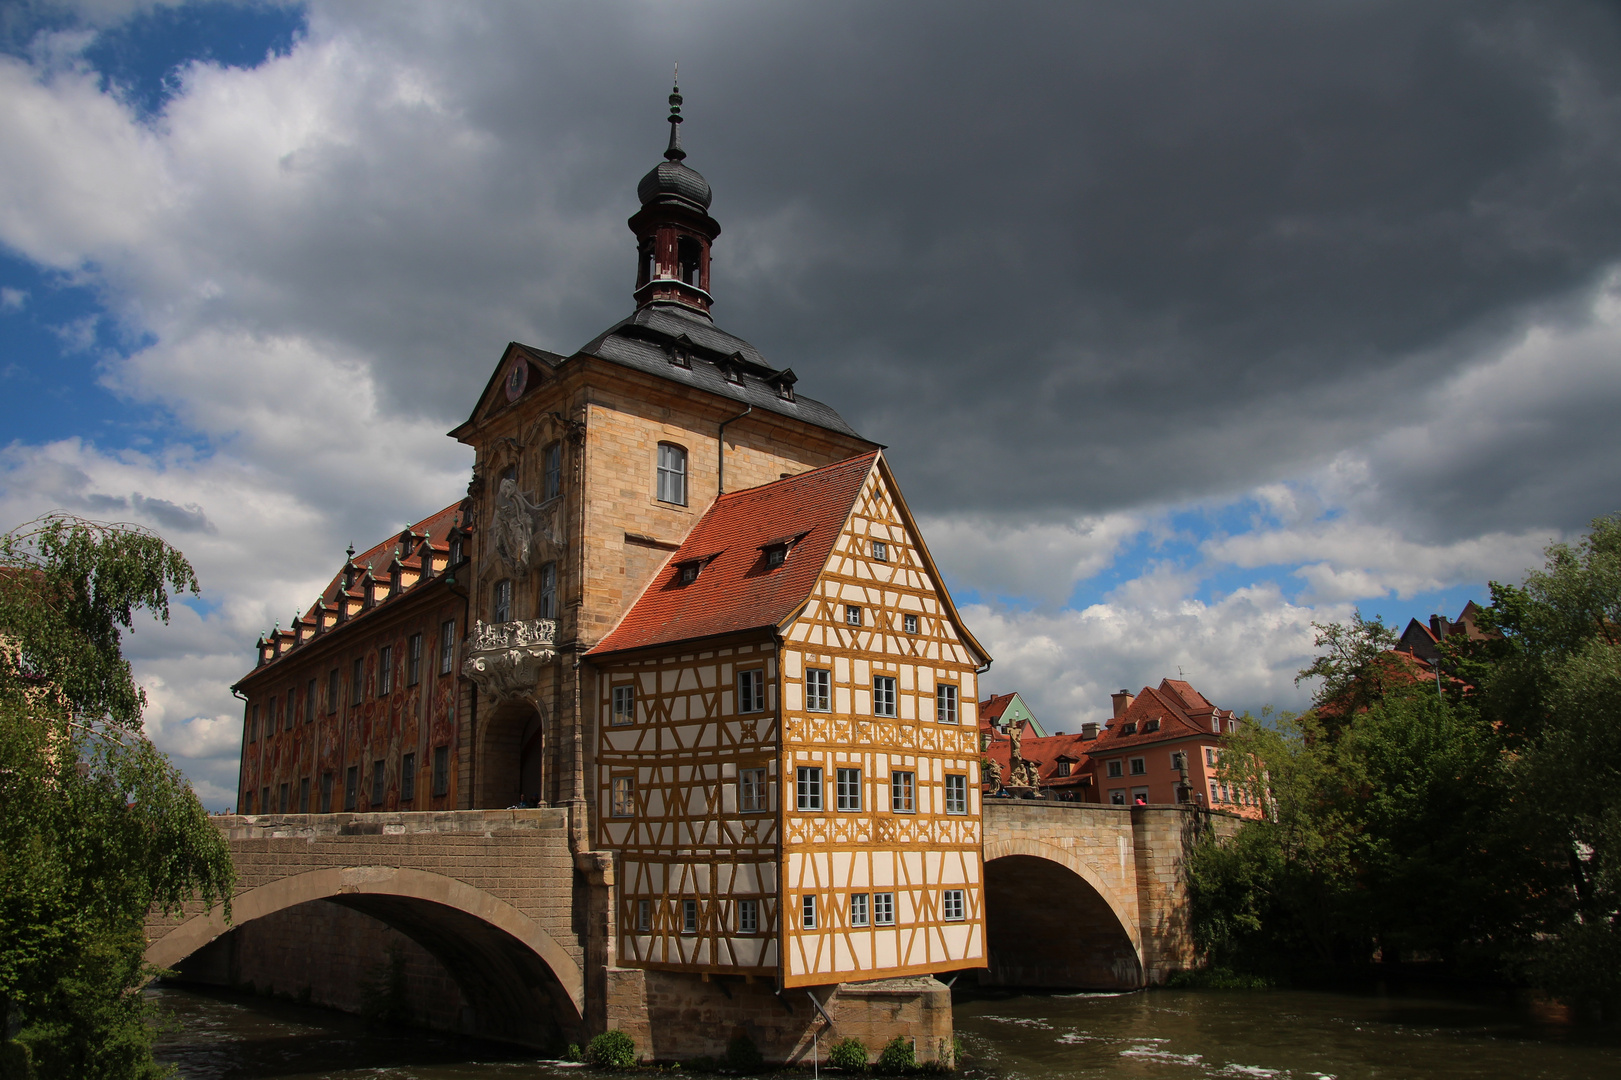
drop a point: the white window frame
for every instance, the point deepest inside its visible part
(945, 703)
(883, 909)
(622, 796)
(858, 909)
(748, 916)
(808, 794)
(880, 551)
(909, 623)
(1116, 770)
(956, 793)
(848, 789)
(672, 474)
(751, 690)
(807, 912)
(953, 905)
(624, 705)
(689, 916)
(883, 695)
(903, 791)
(852, 614)
(752, 791)
(644, 915)
(1139, 766)
(818, 690)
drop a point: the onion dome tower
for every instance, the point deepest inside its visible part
(673, 228)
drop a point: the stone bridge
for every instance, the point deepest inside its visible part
(1077, 895)
(490, 894)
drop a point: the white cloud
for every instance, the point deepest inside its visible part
(1043, 561)
(12, 299)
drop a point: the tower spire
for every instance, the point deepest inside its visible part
(674, 152)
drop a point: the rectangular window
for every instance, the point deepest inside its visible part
(247, 802)
(264, 799)
(849, 789)
(751, 791)
(852, 615)
(644, 915)
(357, 682)
(672, 486)
(292, 709)
(883, 695)
(624, 796)
(441, 770)
(689, 916)
(1139, 766)
(413, 660)
(408, 778)
(945, 704)
(883, 909)
(447, 646)
(956, 793)
(952, 906)
(1062, 769)
(385, 670)
(624, 698)
(270, 716)
(750, 691)
(379, 783)
(880, 551)
(807, 912)
(309, 701)
(548, 592)
(909, 623)
(351, 787)
(1210, 755)
(552, 469)
(332, 691)
(253, 723)
(1214, 792)
(503, 601)
(818, 689)
(858, 909)
(903, 792)
(1117, 797)
(326, 793)
(748, 916)
(808, 787)
(1114, 767)
(304, 795)
(283, 794)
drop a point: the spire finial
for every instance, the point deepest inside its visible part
(675, 153)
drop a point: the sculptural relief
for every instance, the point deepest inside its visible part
(523, 532)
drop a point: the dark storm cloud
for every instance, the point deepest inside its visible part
(1062, 258)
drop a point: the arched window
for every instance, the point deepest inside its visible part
(672, 486)
(503, 601)
(690, 255)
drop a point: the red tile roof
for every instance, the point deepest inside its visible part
(736, 590)
(1046, 752)
(993, 708)
(1180, 709)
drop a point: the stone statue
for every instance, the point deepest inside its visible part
(513, 529)
(993, 772)
(1015, 734)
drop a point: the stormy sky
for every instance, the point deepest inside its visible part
(1186, 324)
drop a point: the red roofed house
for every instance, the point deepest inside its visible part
(799, 658)
(1000, 710)
(1062, 762)
(1162, 746)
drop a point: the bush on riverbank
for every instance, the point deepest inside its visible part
(848, 1054)
(612, 1049)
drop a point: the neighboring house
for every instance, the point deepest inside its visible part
(1424, 642)
(1062, 762)
(1163, 746)
(1000, 710)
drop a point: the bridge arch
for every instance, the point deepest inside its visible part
(512, 971)
(1051, 920)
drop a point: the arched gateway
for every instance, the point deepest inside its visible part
(505, 936)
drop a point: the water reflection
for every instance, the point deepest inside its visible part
(1186, 1035)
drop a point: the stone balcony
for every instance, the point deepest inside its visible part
(505, 659)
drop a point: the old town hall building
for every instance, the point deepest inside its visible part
(689, 604)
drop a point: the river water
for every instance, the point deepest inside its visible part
(1171, 1034)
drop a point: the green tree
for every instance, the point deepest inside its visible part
(96, 826)
(1556, 687)
(1354, 665)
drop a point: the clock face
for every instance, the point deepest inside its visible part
(517, 379)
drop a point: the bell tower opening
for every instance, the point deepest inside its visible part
(673, 228)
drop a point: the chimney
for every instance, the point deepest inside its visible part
(1440, 627)
(1089, 729)
(1122, 702)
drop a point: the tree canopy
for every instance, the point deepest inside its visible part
(96, 826)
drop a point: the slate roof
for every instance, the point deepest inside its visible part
(736, 590)
(647, 339)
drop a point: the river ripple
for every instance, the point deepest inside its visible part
(1183, 1035)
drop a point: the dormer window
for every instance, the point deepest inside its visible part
(687, 572)
(1062, 768)
(1150, 725)
(681, 352)
(776, 555)
(1129, 729)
